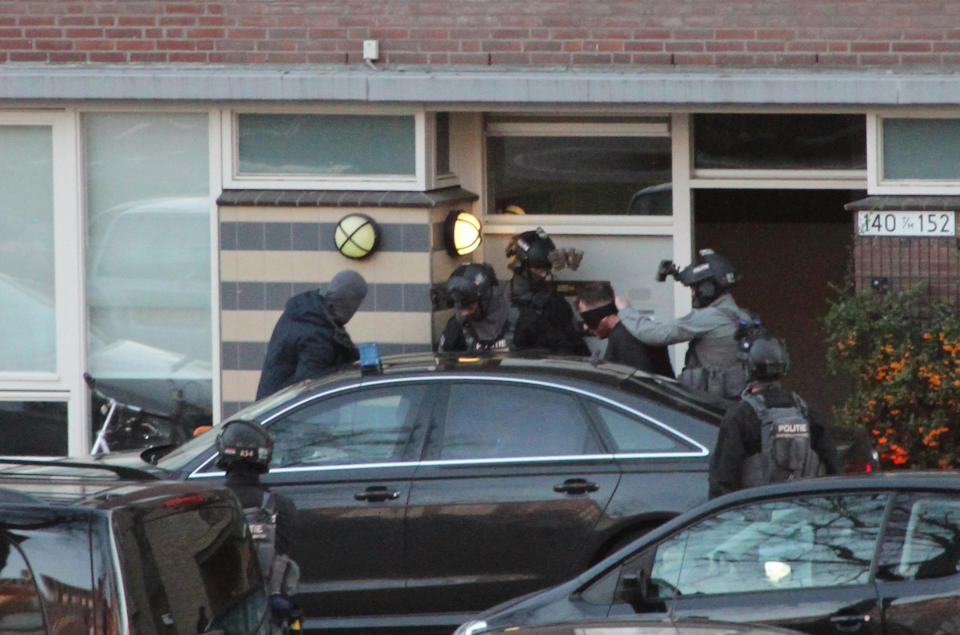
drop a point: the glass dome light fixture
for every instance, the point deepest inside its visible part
(461, 232)
(357, 236)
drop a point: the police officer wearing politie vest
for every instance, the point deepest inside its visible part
(737, 461)
(712, 363)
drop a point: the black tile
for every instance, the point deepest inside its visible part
(250, 355)
(277, 236)
(229, 298)
(276, 294)
(416, 297)
(250, 296)
(228, 235)
(250, 236)
(305, 236)
(416, 238)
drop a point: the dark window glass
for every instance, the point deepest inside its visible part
(784, 142)
(813, 541)
(368, 426)
(580, 175)
(34, 427)
(20, 608)
(442, 150)
(189, 570)
(499, 421)
(922, 540)
(630, 434)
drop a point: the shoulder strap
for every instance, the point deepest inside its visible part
(269, 502)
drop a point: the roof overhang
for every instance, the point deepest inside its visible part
(481, 87)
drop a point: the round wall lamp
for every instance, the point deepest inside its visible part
(461, 233)
(357, 236)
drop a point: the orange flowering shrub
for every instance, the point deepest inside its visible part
(902, 351)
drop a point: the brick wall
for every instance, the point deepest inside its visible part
(684, 33)
(902, 263)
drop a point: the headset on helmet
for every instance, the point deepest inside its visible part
(709, 275)
(767, 358)
(471, 283)
(244, 443)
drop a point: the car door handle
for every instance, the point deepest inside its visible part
(575, 486)
(377, 494)
(849, 623)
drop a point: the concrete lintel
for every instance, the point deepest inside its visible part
(480, 86)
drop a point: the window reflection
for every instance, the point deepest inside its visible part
(923, 539)
(580, 175)
(800, 543)
(372, 426)
(34, 428)
(20, 610)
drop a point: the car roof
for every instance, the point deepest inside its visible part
(85, 485)
(563, 370)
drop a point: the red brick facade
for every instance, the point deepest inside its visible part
(902, 263)
(660, 33)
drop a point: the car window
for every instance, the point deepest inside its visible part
(189, 568)
(494, 420)
(20, 609)
(364, 426)
(922, 539)
(630, 434)
(812, 541)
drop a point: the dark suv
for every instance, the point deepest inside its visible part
(88, 550)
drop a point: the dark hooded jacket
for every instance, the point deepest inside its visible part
(307, 342)
(543, 318)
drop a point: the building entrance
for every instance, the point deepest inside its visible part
(789, 247)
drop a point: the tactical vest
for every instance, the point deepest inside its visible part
(786, 444)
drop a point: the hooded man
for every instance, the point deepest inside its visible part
(309, 339)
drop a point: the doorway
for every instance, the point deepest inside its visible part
(790, 248)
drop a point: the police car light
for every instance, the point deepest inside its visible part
(370, 363)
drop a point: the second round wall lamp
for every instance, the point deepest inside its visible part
(461, 233)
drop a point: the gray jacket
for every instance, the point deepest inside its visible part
(713, 362)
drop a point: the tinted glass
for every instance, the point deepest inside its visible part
(190, 566)
(785, 142)
(484, 421)
(580, 175)
(34, 427)
(326, 145)
(630, 434)
(922, 540)
(20, 608)
(797, 543)
(921, 149)
(366, 426)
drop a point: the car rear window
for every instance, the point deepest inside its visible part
(672, 394)
(188, 567)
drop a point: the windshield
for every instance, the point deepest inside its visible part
(183, 454)
(190, 568)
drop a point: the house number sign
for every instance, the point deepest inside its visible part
(930, 224)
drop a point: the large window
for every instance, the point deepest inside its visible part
(577, 167)
(925, 149)
(148, 257)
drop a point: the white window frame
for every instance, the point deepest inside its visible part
(582, 224)
(65, 383)
(424, 178)
(876, 184)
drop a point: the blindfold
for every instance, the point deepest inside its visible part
(593, 317)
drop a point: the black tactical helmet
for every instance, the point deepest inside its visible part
(531, 249)
(767, 358)
(244, 443)
(709, 275)
(471, 283)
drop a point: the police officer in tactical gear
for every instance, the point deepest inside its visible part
(244, 450)
(480, 322)
(542, 318)
(738, 460)
(712, 362)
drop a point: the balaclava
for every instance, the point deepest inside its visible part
(344, 295)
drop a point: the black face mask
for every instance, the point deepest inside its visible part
(593, 317)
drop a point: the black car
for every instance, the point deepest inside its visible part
(94, 551)
(440, 486)
(868, 554)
